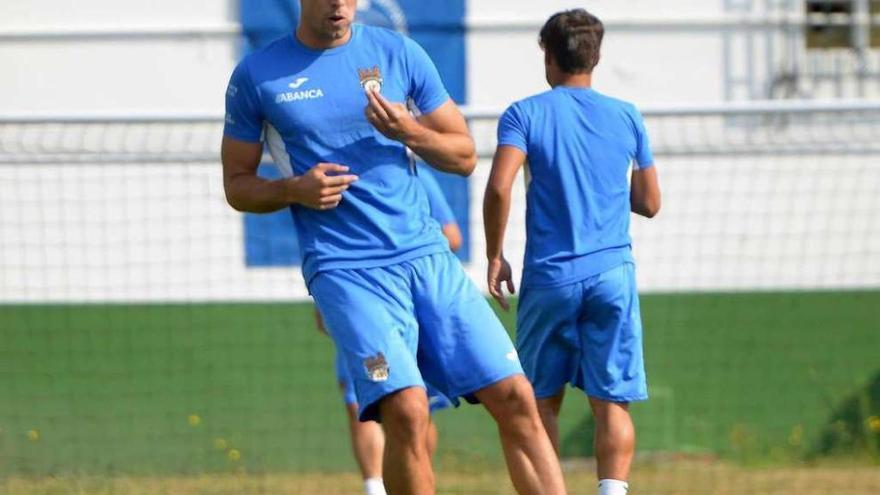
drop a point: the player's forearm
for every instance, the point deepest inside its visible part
(496, 210)
(643, 208)
(450, 152)
(645, 193)
(251, 194)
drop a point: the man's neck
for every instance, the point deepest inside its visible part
(316, 42)
(575, 81)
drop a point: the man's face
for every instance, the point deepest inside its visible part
(328, 19)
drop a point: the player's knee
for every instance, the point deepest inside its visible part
(405, 414)
(521, 394)
(608, 411)
(548, 413)
(513, 400)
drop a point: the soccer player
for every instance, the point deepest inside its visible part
(440, 210)
(578, 318)
(367, 438)
(397, 303)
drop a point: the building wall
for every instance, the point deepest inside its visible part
(110, 56)
(57, 60)
(121, 231)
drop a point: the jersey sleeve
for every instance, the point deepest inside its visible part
(425, 86)
(644, 158)
(244, 117)
(512, 129)
(440, 209)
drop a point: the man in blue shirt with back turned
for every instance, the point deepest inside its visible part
(578, 318)
(330, 101)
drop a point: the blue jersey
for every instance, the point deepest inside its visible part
(309, 104)
(440, 209)
(579, 145)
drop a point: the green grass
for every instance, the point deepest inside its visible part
(109, 389)
(671, 476)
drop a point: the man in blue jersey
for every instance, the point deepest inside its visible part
(367, 438)
(578, 317)
(330, 100)
(440, 210)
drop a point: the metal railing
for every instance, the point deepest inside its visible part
(761, 127)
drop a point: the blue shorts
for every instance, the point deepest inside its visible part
(417, 321)
(436, 400)
(588, 334)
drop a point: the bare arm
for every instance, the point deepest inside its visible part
(644, 195)
(496, 210)
(245, 191)
(453, 235)
(319, 322)
(441, 137)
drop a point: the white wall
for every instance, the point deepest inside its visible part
(601, 8)
(146, 72)
(642, 60)
(504, 68)
(64, 14)
(188, 73)
(163, 231)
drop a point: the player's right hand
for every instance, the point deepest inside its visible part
(499, 271)
(320, 189)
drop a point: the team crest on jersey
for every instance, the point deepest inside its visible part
(377, 368)
(371, 79)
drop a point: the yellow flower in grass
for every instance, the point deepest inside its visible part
(874, 424)
(33, 435)
(233, 455)
(220, 444)
(194, 420)
(796, 436)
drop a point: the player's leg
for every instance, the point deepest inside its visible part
(548, 409)
(548, 346)
(436, 402)
(370, 315)
(532, 462)
(612, 371)
(465, 351)
(367, 438)
(615, 439)
(407, 461)
(431, 438)
(368, 444)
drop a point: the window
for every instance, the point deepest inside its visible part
(834, 24)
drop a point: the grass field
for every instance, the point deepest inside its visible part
(670, 476)
(178, 390)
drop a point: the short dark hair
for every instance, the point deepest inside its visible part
(573, 38)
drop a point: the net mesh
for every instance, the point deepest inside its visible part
(137, 349)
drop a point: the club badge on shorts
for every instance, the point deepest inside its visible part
(371, 79)
(377, 368)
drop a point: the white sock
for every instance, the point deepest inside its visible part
(374, 486)
(613, 487)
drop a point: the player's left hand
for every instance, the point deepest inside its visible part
(393, 120)
(499, 271)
